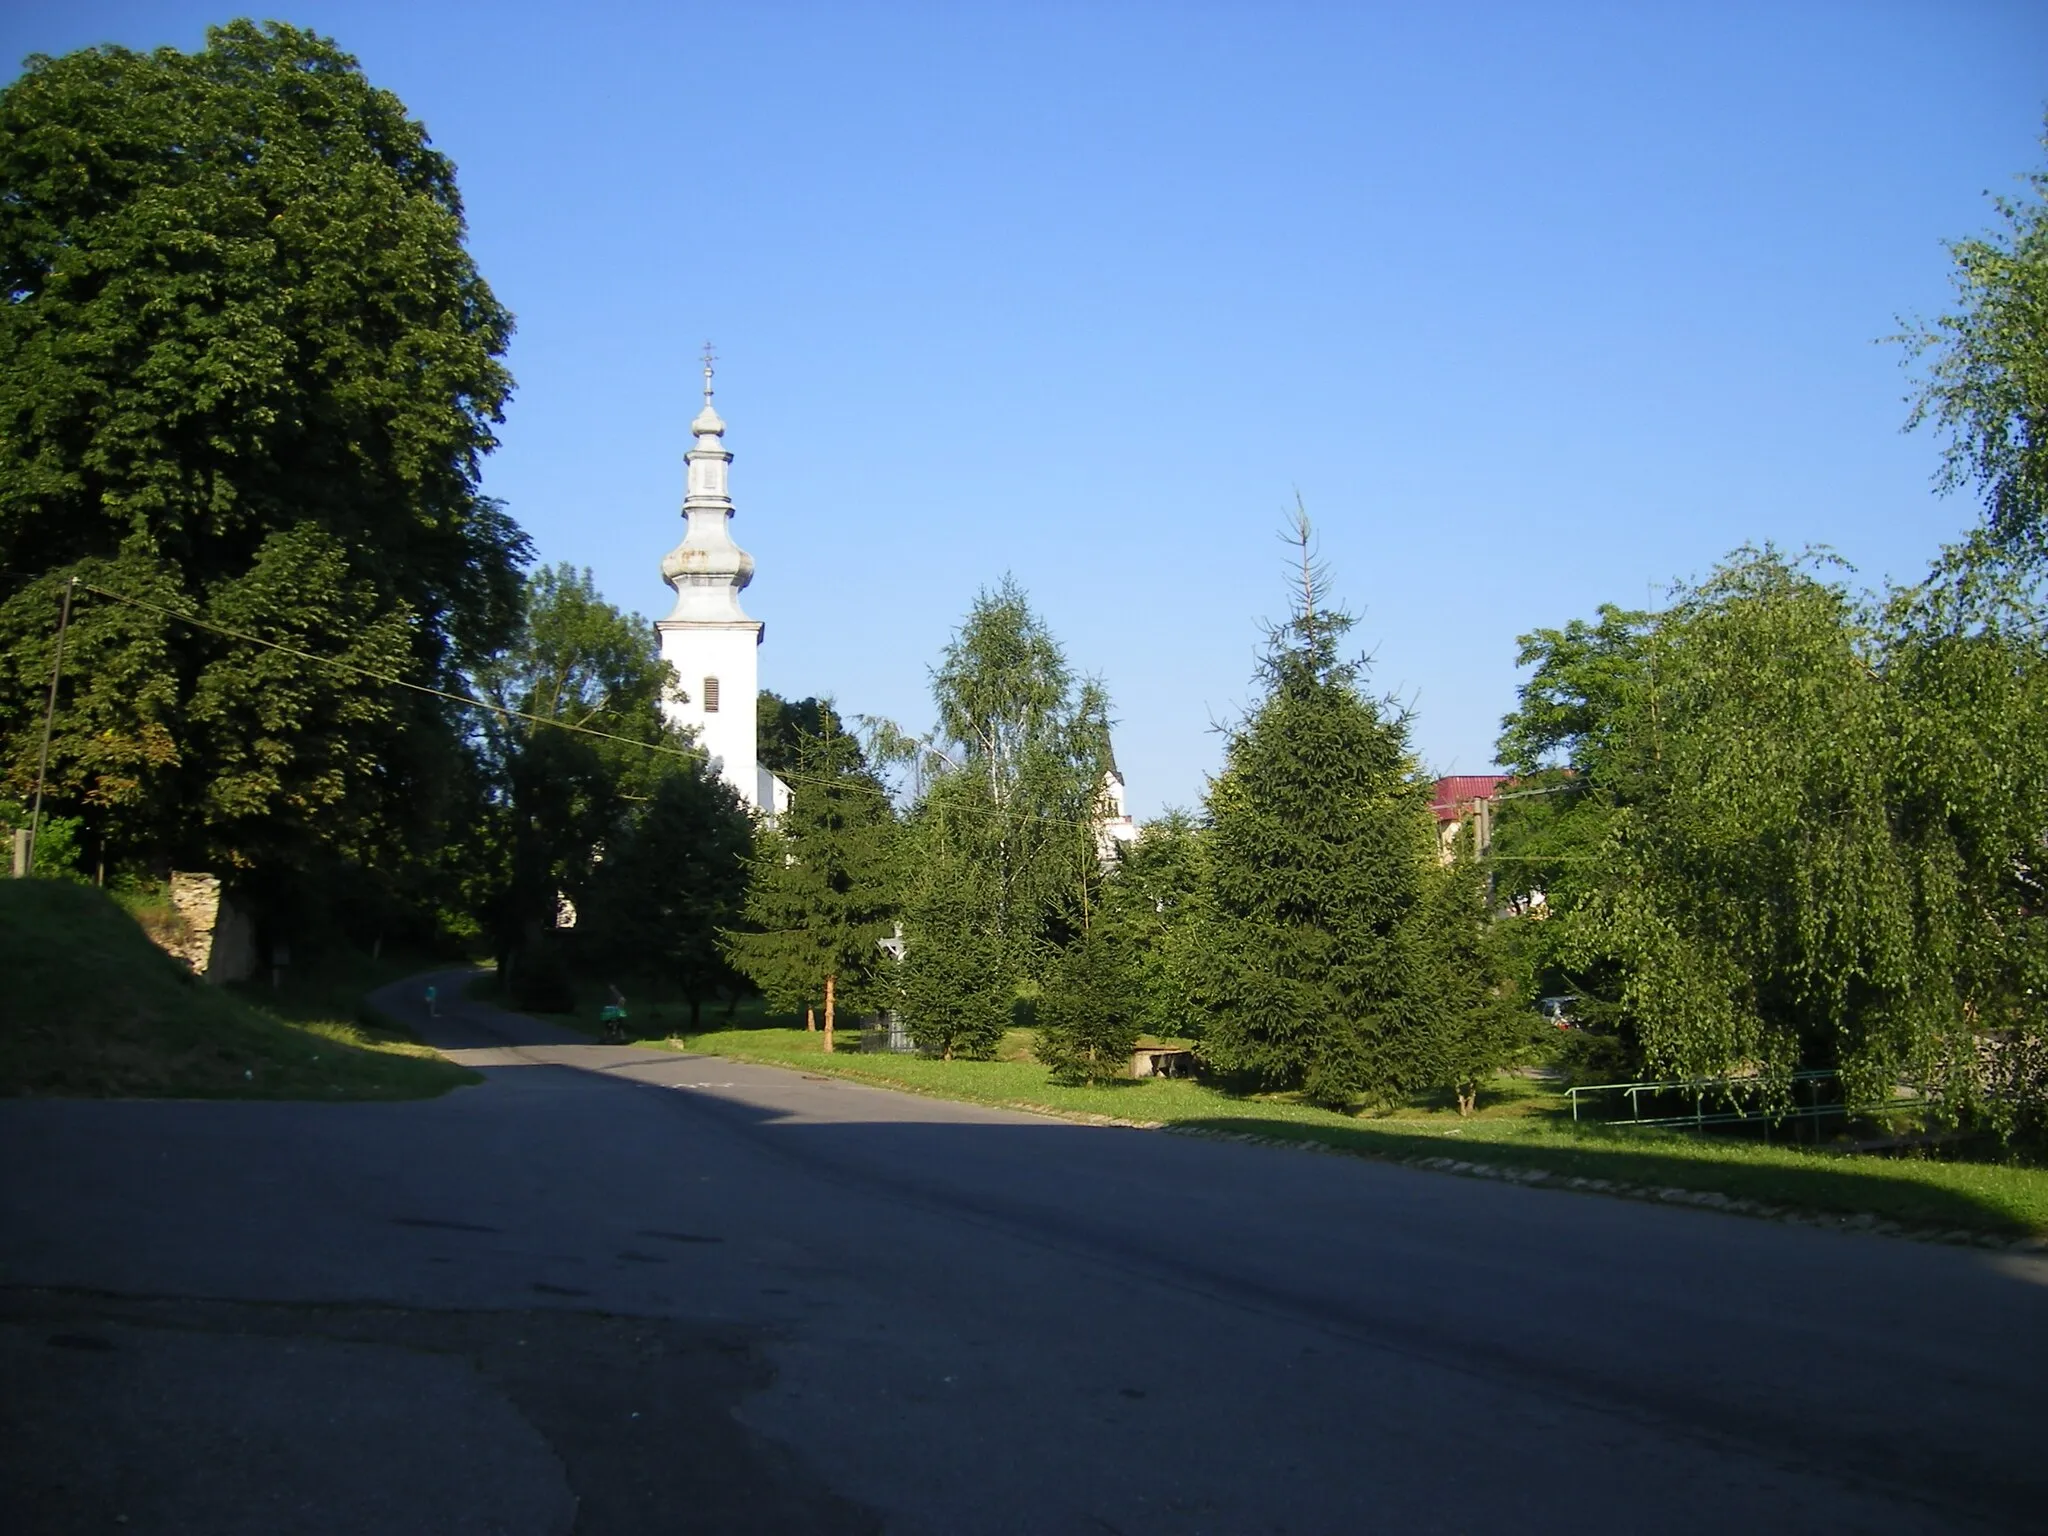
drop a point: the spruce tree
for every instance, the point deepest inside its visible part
(1089, 1013)
(1468, 1022)
(1147, 907)
(957, 992)
(822, 883)
(1310, 967)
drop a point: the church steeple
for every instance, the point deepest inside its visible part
(707, 637)
(708, 570)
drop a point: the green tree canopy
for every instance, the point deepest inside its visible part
(1313, 966)
(557, 795)
(822, 884)
(956, 989)
(248, 372)
(673, 878)
(782, 724)
(1986, 386)
(1149, 909)
(1001, 863)
(1090, 1012)
(1813, 825)
(1021, 752)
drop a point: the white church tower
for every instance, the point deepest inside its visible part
(707, 636)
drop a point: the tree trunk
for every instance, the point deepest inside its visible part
(810, 1021)
(1466, 1101)
(829, 980)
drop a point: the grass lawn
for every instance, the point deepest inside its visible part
(1518, 1126)
(94, 1010)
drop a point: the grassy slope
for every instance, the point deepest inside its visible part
(1518, 1128)
(92, 1009)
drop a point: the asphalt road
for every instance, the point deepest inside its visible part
(616, 1291)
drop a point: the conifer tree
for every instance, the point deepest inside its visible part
(1089, 1013)
(957, 992)
(1468, 1022)
(822, 883)
(1311, 968)
(1148, 907)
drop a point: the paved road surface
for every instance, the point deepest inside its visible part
(617, 1291)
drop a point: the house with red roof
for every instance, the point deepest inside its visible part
(1463, 797)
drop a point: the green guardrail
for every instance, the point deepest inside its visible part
(1700, 1090)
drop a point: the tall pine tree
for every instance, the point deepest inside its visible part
(822, 883)
(1312, 969)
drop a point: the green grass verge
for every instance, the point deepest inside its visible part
(94, 1010)
(1516, 1128)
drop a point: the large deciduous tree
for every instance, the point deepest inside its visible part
(579, 739)
(248, 373)
(1986, 385)
(781, 726)
(1812, 825)
(1001, 863)
(1022, 751)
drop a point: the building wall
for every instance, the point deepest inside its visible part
(728, 652)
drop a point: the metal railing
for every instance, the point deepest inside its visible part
(1725, 1090)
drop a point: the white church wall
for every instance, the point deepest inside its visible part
(728, 653)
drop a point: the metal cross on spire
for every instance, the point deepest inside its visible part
(710, 357)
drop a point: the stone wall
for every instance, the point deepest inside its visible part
(207, 933)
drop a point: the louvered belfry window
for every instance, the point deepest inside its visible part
(710, 695)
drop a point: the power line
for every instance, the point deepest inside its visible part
(696, 755)
(385, 677)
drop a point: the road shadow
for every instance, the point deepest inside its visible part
(637, 1410)
(1816, 1182)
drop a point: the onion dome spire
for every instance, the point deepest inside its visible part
(708, 569)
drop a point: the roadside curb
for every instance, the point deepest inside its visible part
(1702, 1199)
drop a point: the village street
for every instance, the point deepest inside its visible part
(618, 1291)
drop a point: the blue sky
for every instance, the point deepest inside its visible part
(1537, 306)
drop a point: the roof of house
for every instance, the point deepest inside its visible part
(1463, 788)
